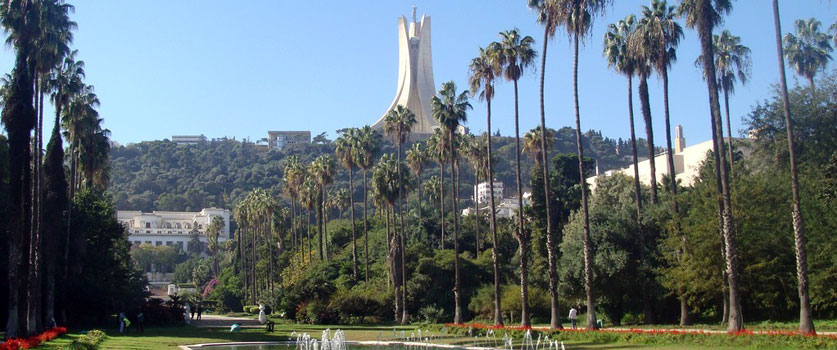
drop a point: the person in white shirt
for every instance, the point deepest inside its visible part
(573, 316)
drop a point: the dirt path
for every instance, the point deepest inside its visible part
(225, 321)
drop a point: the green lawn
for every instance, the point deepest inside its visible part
(170, 337)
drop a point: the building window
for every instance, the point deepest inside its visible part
(168, 243)
(147, 225)
(158, 243)
(168, 225)
(148, 242)
(188, 226)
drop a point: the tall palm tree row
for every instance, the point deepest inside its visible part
(322, 170)
(705, 15)
(484, 70)
(620, 58)
(367, 148)
(438, 150)
(662, 35)
(345, 153)
(450, 109)
(549, 15)
(398, 123)
(416, 158)
(809, 50)
(516, 53)
(806, 323)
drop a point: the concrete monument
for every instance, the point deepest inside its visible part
(415, 74)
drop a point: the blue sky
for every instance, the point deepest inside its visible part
(241, 68)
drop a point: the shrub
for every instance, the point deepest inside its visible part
(431, 314)
(358, 305)
(89, 341)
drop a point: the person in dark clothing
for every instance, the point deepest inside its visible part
(192, 313)
(200, 310)
(140, 321)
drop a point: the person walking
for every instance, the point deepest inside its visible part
(573, 316)
(200, 310)
(192, 313)
(140, 321)
(121, 318)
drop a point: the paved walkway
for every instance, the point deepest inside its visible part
(225, 321)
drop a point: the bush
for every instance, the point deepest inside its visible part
(431, 314)
(314, 312)
(359, 305)
(89, 341)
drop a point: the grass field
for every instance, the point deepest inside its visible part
(170, 337)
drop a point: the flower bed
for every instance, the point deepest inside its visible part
(655, 336)
(33, 341)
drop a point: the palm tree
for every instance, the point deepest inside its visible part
(549, 15)
(293, 176)
(474, 150)
(704, 15)
(19, 19)
(368, 146)
(660, 35)
(833, 31)
(641, 49)
(809, 50)
(213, 231)
(620, 58)
(55, 208)
(398, 123)
(732, 63)
(345, 153)
(309, 197)
(437, 148)
(516, 54)
(322, 169)
(578, 20)
(806, 323)
(484, 69)
(450, 108)
(532, 144)
(386, 183)
(416, 158)
(66, 83)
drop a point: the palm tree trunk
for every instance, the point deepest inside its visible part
(522, 237)
(253, 269)
(588, 251)
(806, 324)
(705, 26)
(310, 249)
(476, 214)
(320, 211)
(647, 308)
(498, 313)
(403, 257)
(442, 200)
(354, 234)
(649, 132)
(555, 314)
(684, 309)
(418, 207)
(365, 229)
(729, 127)
(324, 237)
(457, 297)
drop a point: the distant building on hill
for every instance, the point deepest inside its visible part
(687, 161)
(188, 139)
(172, 228)
(279, 139)
(481, 193)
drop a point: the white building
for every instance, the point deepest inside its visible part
(279, 139)
(188, 139)
(506, 207)
(171, 228)
(481, 194)
(687, 161)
